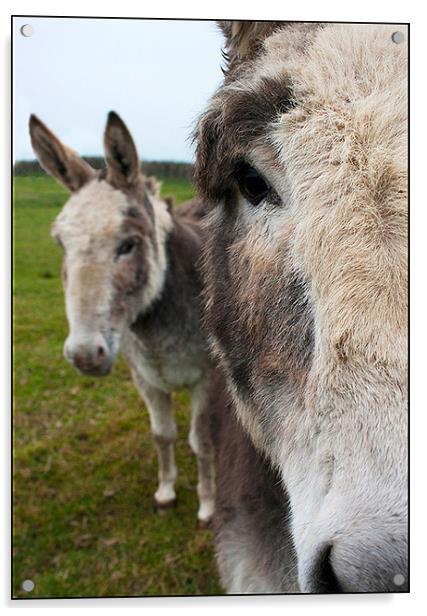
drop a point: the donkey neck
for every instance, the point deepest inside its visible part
(176, 307)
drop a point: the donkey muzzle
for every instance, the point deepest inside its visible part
(363, 568)
(91, 356)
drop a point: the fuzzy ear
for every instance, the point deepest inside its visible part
(170, 202)
(56, 158)
(153, 185)
(120, 153)
(243, 38)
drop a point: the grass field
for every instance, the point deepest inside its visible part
(85, 468)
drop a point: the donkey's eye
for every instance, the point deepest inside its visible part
(126, 247)
(252, 185)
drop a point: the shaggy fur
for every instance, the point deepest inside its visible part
(306, 295)
(250, 507)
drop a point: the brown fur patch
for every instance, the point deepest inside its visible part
(237, 119)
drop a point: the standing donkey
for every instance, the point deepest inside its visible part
(131, 281)
(302, 153)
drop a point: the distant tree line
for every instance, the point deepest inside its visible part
(162, 169)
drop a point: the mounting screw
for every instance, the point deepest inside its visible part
(28, 585)
(398, 579)
(397, 37)
(27, 30)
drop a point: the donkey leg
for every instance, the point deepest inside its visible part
(163, 428)
(201, 444)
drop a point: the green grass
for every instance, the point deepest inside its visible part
(85, 468)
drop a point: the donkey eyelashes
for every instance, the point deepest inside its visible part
(251, 184)
(126, 247)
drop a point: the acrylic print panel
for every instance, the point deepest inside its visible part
(242, 293)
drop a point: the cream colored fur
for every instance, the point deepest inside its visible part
(341, 174)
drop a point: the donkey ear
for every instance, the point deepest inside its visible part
(153, 186)
(243, 38)
(56, 158)
(120, 153)
(170, 202)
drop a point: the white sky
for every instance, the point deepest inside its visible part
(158, 75)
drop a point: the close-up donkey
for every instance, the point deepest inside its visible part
(302, 155)
(131, 282)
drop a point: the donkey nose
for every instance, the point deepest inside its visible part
(321, 577)
(91, 357)
(365, 568)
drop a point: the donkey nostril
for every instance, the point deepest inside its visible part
(324, 578)
(101, 352)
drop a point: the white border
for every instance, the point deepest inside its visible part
(361, 10)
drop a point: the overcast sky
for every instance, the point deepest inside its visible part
(158, 75)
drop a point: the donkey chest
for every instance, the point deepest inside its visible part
(164, 363)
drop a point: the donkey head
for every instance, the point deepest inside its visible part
(113, 230)
(303, 152)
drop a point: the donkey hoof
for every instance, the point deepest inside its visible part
(164, 505)
(204, 524)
